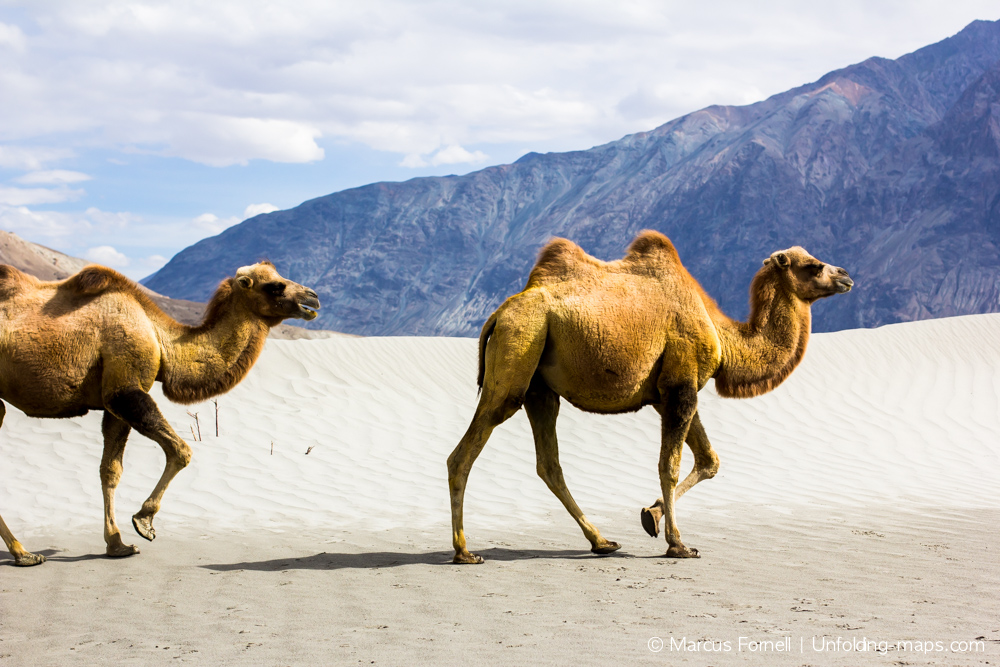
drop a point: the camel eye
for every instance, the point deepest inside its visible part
(815, 269)
(273, 289)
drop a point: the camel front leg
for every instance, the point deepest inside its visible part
(115, 436)
(137, 409)
(21, 556)
(706, 465)
(678, 412)
(542, 407)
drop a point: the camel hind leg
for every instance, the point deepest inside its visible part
(511, 356)
(706, 465)
(542, 406)
(21, 556)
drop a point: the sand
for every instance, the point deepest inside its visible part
(857, 501)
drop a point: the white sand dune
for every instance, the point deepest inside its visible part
(858, 499)
(905, 414)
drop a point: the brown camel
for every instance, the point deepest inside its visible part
(612, 337)
(96, 342)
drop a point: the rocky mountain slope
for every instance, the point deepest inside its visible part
(889, 168)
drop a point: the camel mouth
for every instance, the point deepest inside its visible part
(308, 306)
(844, 285)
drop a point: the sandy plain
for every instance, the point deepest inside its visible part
(858, 501)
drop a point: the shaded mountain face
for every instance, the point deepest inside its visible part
(889, 168)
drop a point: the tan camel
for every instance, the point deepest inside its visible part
(95, 342)
(612, 337)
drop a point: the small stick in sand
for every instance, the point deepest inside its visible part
(272, 448)
(215, 401)
(194, 415)
(309, 450)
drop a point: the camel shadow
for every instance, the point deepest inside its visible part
(383, 559)
(50, 555)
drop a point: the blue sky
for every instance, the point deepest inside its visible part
(130, 130)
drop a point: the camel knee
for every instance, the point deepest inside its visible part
(111, 473)
(182, 455)
(710, 468)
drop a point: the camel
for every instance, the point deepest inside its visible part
(612, 337)
(95, 341)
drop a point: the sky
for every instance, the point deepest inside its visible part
(130, 130)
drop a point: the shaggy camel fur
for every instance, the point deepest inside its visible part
(613, 337)
(95, 342)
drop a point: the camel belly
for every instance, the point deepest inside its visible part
(601, 378)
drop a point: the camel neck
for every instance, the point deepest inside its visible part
(210, 359)
(757, 355)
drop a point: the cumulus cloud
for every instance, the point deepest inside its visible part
(221, 141)
(257, 209)
(26, 158)
(11, 38)
(30, 196)
(227, 82)
(108, 256)
(448, 155)
(52, 176)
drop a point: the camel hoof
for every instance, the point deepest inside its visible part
(606, 548)
(144, 526)
(27, 560)
(467, 559)
(681, 551)
(649, 522)
(122, 551)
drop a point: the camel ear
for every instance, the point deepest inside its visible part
(246, 282)
(767, 261)
(781, 259)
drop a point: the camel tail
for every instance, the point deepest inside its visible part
(484, 338)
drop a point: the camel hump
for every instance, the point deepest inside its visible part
(13, 280)
(651, 244)
(95, 280)
(558, 261)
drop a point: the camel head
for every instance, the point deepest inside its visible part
(806, 277)
(270, 296)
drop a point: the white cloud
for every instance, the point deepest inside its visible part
(221, 141)
(212, 224)
(457, 155)
(108, 256)
(53, 176)
(30, 196)
(453, 154)
(12, 38)
(41, 225)
(230, 81)
(30, 158)
(257, 209)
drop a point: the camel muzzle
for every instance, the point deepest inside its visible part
(308, 306)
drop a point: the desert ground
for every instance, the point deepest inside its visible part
(853, 520)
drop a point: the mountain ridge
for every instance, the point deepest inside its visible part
(869, 167)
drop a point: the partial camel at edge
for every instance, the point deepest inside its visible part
(612, 337)
(96, 342)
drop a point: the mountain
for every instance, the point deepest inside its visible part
(47, 264)
(889, 168)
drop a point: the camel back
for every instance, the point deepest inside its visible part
(95, 280)
(561, 259)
